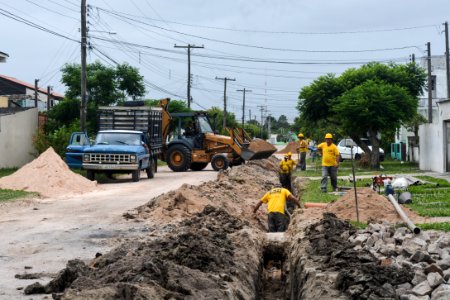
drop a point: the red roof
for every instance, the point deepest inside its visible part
(31, 86)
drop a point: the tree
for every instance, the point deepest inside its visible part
(105, 85)
(175, 106)
(216, 118)
(364, 102)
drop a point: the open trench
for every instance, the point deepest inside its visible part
(206, 244)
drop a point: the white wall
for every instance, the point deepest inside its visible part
(16, 135)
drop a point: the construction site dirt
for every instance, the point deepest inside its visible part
(202, 241)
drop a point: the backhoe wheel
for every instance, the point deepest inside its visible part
(198, 166)
(90, 175)
(136, 175)
(150, 169)
(179, 158)
(219, 162)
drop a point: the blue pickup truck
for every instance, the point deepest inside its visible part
(129, 141)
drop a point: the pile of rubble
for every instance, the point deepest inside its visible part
(210, 255)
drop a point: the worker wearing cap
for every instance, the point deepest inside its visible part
(285, 172)
(276, 200)
(330, 162)
(291, 162)
(303, 149)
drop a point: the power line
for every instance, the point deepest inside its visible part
(51, 10)
(257, 46)
(285, 32)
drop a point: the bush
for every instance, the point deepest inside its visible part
(58, 139)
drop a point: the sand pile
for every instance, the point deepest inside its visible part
(290, 147)
(49, 176)
(371, 207)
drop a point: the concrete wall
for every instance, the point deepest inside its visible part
(16, 135)
(433, 142)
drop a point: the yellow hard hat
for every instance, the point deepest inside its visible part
(286, 155)
(289, 154)
(328, 136)
(300, 135)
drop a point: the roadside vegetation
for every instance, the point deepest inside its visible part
(9, 195)
(431, 199)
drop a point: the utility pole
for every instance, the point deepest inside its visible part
(269, 125)
(225, 79)
(249, 114)
(189, 47)
(447, 60)
(261, 108)
(49, 97)
(430, 85)
(413, 58)
(244, 91)
(36, 88)
(83, 67)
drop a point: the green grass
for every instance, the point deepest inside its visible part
(345, 168)
(430, 200)
(445, 226)
(10, 195)
(6, 172)
(312, 192)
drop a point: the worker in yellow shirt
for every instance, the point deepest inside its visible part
(276, 202)
(303, 149)
(330, 162)
(291, 162)
(285, 172)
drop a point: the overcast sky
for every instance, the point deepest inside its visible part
(272, 47)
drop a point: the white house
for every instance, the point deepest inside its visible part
(434, 138)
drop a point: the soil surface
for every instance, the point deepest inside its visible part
(41, 235)
(290, 147)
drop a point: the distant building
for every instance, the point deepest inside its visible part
(3, 57)
(21, 94)
(434, 138)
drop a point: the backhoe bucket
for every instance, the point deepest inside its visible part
(258, 149)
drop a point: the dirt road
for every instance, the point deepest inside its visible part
(44, 234)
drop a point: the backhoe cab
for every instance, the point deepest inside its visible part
(191, 143)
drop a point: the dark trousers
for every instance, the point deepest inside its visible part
(285, 180)
(303, 161)
(277, 222)
(328, 171)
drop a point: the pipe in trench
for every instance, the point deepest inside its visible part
(402, 214)
(315, 205)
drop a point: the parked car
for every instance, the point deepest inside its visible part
(345, 147)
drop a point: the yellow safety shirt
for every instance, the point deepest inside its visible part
(329, 154)
(285, 167)
(303, 146)
(276, 199)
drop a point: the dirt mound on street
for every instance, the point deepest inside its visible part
(49, 176)
(199, 259)
(236, 190)
(371, 206)
(290, 147)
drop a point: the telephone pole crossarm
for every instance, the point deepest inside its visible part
(225, 79)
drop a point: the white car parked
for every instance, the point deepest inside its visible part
(345, 147)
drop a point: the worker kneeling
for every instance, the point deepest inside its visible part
(276, 203)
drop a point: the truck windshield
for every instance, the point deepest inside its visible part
(204, 124)
(113, 138)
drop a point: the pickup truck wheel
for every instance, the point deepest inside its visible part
(219, 162)
(155, 165)
(198, 166)
(357, 156)
(136, 175)
(90, 175)
(150, 170)
(179, 158)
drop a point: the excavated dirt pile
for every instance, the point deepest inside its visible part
(290, 147)
(257, 145)
(325, 256)
(371, 207)
(49, 176)
(201, 258)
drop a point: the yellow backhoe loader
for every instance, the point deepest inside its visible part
(191, 143)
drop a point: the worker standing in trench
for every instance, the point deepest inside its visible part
(285, 172)
(330, 162)
(276, 200)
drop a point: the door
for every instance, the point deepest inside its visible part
(74, 152)
(447, 144)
